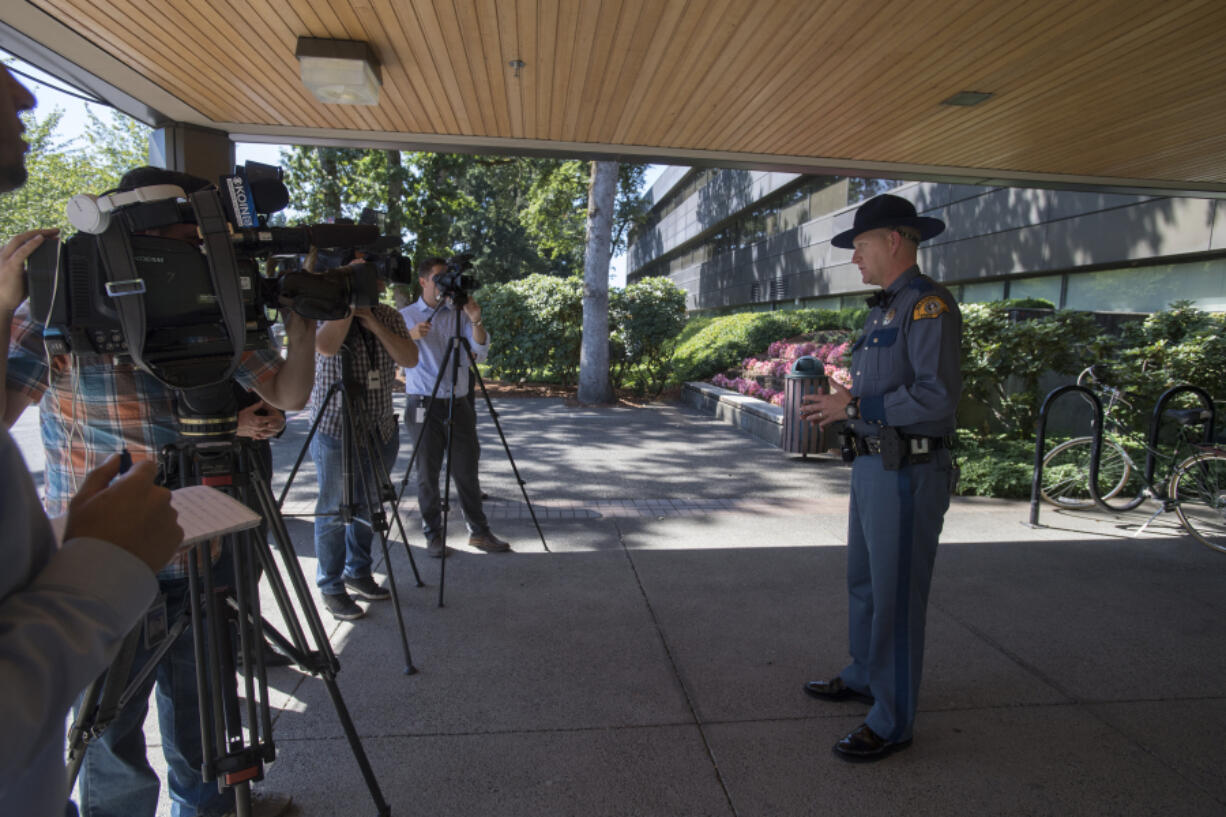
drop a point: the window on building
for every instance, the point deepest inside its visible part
(982, 292)
(1046, 287)
(1150, 289)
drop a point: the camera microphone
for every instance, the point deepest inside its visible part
(342, 235)
(300, 239)
(270, 195)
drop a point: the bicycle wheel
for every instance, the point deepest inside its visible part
(1066, 473)
(1198, 489)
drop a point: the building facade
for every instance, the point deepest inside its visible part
(738, 239)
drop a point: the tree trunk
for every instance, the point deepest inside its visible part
(331, 184)
(594, 385)
(395, 194)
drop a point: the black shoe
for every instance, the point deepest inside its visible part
(365, 587)
(342, 607)
(866, 746)
(836, 690)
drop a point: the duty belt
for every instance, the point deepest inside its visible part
(917, 445)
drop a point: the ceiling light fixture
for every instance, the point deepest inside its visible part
(339, 72)
(966, 99)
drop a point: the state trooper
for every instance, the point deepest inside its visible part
(899, 425)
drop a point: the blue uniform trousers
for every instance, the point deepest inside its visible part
(895, 520)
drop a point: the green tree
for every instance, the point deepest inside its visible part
(516, 216)
(555, 215)
(60, 169)
(57, 172)
(115, 145)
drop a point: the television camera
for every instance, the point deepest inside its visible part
(186, 310)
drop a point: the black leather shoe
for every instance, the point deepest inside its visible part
(836, 690)
(865, 746)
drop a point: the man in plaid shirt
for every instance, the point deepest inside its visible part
(375, 341)
(93, 406)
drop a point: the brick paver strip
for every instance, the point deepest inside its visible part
(628, 508)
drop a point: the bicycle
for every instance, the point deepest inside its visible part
(1066, 468)
(1195, 490)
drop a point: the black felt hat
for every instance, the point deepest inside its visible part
(888, 211)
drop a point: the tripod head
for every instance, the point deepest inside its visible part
(207, 413)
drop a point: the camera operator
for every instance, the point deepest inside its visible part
(433, 336)
(376, 342)
(64, 609)
(93, 406)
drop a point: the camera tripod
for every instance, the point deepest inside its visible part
(450, 365)
(228, 631)
(361, 459)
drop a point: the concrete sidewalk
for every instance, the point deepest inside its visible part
(651, 662)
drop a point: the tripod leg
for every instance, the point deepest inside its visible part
(332, 390)
(326, 665)
(372, 471)
(505, 446)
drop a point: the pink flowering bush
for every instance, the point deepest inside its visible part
(780, 355)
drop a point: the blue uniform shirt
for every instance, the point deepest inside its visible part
(906, 367)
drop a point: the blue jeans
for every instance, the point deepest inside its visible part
(116, 779)
(342, 551)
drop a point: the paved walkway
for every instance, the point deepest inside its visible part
(651, 661)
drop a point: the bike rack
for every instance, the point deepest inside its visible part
(1096, 430)
(1155, 423)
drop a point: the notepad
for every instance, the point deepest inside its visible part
(204, 512)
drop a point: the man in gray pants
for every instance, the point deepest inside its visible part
(432, 323)
(906, 380)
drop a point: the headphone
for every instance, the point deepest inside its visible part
(93, 215)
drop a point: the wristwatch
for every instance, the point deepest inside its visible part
(852, 410)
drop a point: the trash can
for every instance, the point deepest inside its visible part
(808, 376)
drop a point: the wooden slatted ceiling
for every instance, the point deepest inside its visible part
(1115, 88)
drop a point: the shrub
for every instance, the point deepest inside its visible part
(537, 323)
(645, 320)
(722, 342)
(1004, 359)
(998, 465)
(1181, 346)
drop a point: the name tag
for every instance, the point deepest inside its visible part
(372, 380)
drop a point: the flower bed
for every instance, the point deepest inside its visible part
(762, 378)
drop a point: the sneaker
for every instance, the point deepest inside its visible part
(488, 542)
(342, 607)
(268, 805)
(435, 548)
(365, 587)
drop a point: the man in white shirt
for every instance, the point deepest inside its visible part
(432, 323)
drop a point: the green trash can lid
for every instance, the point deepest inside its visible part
(807, 366)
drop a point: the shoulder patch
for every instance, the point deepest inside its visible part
(930, 306)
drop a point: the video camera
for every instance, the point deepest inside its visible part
(453, 282)
(122, 286)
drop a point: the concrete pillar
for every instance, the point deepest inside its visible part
(202, 152)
